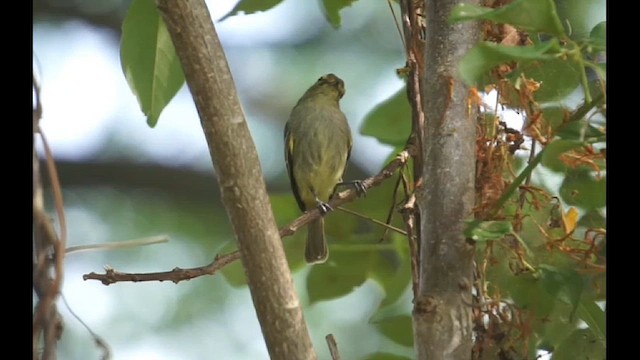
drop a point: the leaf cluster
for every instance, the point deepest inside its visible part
(541, 260)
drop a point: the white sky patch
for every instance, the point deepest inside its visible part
(78, 92)
(511, 117)
(261, 28)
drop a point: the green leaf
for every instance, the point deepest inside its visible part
(350, 264)
(557, 77)
(392, 270)
(340, 228)
(489, 230)
(149, 60)
(385, 356)
(555, 116)
(598, 36)
(234, 274)
(592, 220)
(529, 15)
(552, 329)
(396, 309)
(579, 130)
(475, 66)
(339, 276)
(528, 294)
(332, 10)
(594, 316)
(286, 210)
(397, 328)
(553, 151)
(581, 344)
(580, 16)
(251, 6)
(580, 188)
(567, 284)
(390, 121)
(466, 12)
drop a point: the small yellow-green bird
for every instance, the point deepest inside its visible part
(317, 147)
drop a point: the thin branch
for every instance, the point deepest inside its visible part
(413, 25)
(395, 21)
(119, 245)
(100, 342)
(178, 274)
(375, 221)
(408, 212)
(393, 206)
(527, 181)
(333, 347)
(57, 189)
(48, 255)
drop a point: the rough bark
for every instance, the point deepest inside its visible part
(442, 310)
(240, 180)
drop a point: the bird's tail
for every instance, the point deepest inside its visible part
(316, 250)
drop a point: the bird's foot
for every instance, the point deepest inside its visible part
(323, 207)
(358, 185)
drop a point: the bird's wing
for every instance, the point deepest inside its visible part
(289, 145)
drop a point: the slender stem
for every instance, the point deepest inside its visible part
(375, 221)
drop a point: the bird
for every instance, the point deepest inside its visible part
(318, 145)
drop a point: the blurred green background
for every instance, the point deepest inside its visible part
(123, 180)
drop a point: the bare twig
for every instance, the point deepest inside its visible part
(392, 208)
(119, 245)
(176, 275)
(413, 25)
(395, 21)
(333, 347)
(100, 343)
(523, 193)
(387, 226)
(408, 212)
(48, 255)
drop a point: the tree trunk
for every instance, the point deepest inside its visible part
(442, 308)
(240, 179)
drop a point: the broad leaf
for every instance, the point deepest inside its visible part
(339, 276)
(392, 270)
(529, 15)
(490, 230)
(594, 316)
(397, 328)
(149, 60)
(332, 10)
(528, 293)
(598, 36)
(577, 130)
(557, 77)
(475, 65)
(251, 6)
(581, 344)
(553, 152)
(390, 121)
(566, 284)
(581, 188)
